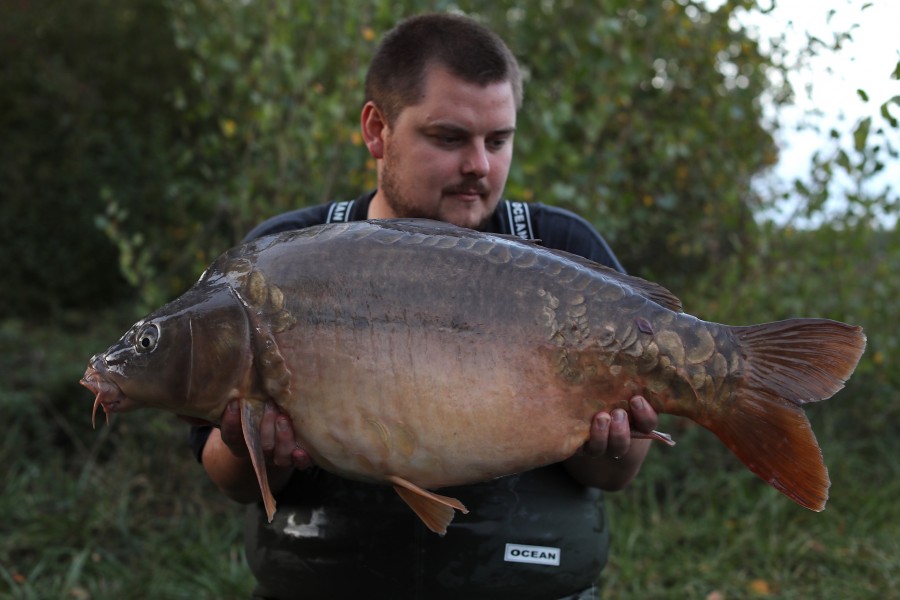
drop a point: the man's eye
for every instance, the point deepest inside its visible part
(497, 144)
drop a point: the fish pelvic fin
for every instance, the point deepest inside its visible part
(251, 418)
(788, 363)
(436, 511)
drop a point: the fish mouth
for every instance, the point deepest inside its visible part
(107, 394)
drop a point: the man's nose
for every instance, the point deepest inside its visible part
(476, 160)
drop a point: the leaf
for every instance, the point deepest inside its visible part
(861, 134)
(888, 116)
(760, 587)
(801, 188)
(862, 95)
(843, 160)
(886, 112)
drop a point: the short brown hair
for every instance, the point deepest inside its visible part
(461, 45)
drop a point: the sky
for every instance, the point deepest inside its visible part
(866, 62)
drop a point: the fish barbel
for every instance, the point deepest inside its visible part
(422, 355)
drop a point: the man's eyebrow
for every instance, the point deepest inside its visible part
(445, 127)
(453, 128)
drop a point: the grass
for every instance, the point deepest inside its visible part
(697, 525)
(124, 511)
(117, 512)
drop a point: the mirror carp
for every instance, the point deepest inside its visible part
(422, 355)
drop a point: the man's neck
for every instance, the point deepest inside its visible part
(379, 209)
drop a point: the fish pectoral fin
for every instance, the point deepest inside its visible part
(251, 418)
(436, 511)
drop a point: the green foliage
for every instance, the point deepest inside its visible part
(645, 118)
(641, 116)
(695, 524)
(113, 513)
(283, 82)
(843, 273)
(84, 107)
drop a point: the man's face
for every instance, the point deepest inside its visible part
(448, 157)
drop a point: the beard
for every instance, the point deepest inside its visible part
(407, 208)
(400, 205)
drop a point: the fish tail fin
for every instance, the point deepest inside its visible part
(788, 363)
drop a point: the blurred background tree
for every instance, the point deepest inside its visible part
(162, 131)
(177, 126)
(88, 126)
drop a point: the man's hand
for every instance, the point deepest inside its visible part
(227, 460)
(612, 456)
(276, 435)
(611, 432)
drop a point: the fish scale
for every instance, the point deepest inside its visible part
(421, 355)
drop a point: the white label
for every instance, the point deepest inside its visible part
(305, 530)
(537, 555)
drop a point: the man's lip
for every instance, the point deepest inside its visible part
(467, 195)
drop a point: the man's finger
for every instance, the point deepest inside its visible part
(232, 434)
(284, 442)
(267, 427)
(643, 417)
(301, 459)
(596, 445)
(619, 434)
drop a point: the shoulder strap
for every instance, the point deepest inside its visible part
(339, 212)
(518, 219)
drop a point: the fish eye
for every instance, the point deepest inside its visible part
(147, 338)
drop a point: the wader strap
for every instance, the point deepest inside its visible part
(339, 212)
(518, 218)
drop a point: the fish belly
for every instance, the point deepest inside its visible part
(434, 408)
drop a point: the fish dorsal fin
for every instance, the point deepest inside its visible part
(652, 291)
(251, 417)
(424, 226)
(436, 511)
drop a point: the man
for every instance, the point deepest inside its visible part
(439, 118)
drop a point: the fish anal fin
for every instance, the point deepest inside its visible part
(436, 511)
(251, 417)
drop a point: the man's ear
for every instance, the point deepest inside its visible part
(374, 127)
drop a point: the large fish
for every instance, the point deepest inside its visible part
(422, 355)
